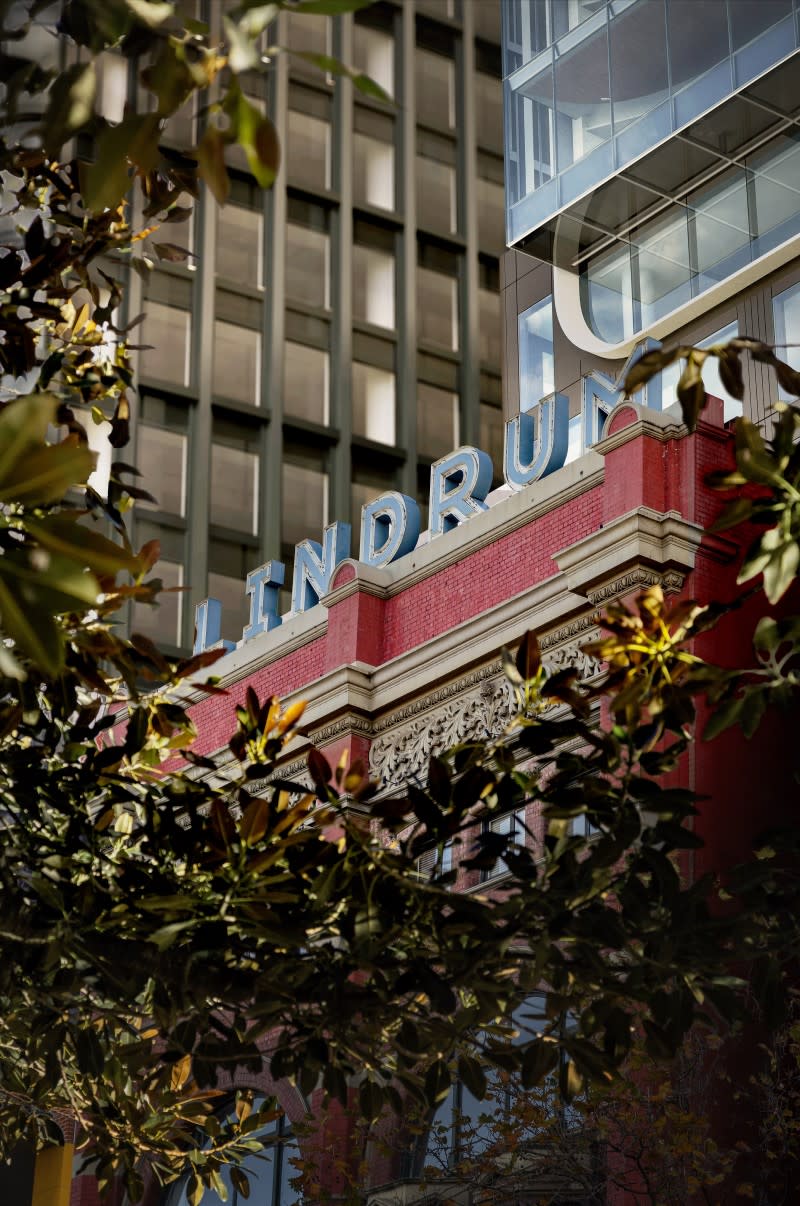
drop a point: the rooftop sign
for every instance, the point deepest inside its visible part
(535, 445)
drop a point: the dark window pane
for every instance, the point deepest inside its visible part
(234, 487)
(305, 501)
(437, 421)
(240, 245)
(305, 382)
(698, 38)
(639, 77)
(749, 18)
(583, 109)
(307, 265)
(237, 363)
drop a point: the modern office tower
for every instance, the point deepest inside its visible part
(338, 333)
(652, 188)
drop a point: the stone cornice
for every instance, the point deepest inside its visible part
(642, 537)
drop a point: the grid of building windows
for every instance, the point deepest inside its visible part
(337, 334)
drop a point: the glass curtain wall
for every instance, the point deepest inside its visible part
(592, 85)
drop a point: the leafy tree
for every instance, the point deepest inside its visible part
(161, 925)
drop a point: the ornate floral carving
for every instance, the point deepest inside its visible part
(402, 752)
(479, 705)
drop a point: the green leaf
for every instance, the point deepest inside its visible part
(211, 163)
(332, 66)
(57, 582)
(46, 474)
(767, 634)
(240, 1182)
(70, 106)
(370, 1099)
(23, 425)
(691, 391)
(105, 182)
(538, 1059)
(330, 8)
(61, 533)
(437, 1082)
(243, 52)
(89, 1052)
(730, 373)
(472, 1075)
(755, 704)
(781, 570)
(258, 139)
(724, 716)
(35, 632)
(151, 12)
(253, 824)
(734, 513)
(752, 456)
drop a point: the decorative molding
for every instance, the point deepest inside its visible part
(670, 581)
(477, 705)
(359, 725)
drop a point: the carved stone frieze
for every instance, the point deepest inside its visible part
(476, 706)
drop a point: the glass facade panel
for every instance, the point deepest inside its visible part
(437, 421)
(691, 56)
(305, 501)
(168, 331)
(161, 459)
(240, 245)
(436, 195)
(437, 308)
(608, 82)
(237, 363)
(373, 54)
(530, 137)
(305, 382)
(307, 265)
(234, 488)
(776, 191)
(373, 286)
(308, 151)
(583, 108)
(567, 14)
(721, 228)
(435, 89)
(373, 403)
(663, 266)
(536, 378)
(750, 20)
(607, 295)
(638, 52)
(373, 172)
(786, 316)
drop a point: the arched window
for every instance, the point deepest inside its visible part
(270, 1173)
